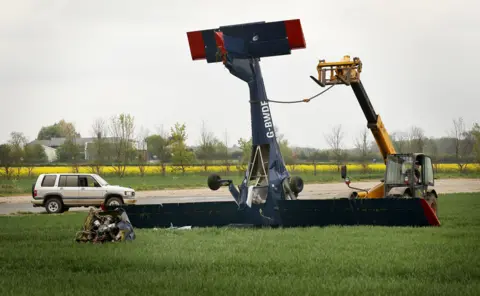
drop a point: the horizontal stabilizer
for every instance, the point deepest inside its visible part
(259, 39)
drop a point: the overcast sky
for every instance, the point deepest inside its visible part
(80, 60)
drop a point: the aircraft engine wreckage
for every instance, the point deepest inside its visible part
(268, 195)
(102, 226)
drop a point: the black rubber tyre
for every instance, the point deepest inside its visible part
(54, 205)
(214, 182)
(33, 189)
(113, 201)
(289, 194)
(353, 195)
(296, 184)
(407, 194)
(432, 202)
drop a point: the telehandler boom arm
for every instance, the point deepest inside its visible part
(348, 72)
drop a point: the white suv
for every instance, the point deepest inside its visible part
(59, 192)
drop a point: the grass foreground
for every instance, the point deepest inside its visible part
(23, 186)
(38, 256)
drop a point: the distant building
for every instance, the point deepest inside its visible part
(51, 153)
(53, 144)
(88, 152)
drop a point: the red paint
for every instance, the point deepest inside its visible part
(220, 44)
(197, 46)
(293, 29)
(296, 40)
(429, 213)
(219, 41)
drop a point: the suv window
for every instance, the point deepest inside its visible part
(87, 181)
(68, 181)
(49, 180)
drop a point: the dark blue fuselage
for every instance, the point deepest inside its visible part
(263, 134)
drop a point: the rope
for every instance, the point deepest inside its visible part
(220, 55)
(298, 101)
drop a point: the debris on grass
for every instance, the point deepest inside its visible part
(106, 226)
(174, 228)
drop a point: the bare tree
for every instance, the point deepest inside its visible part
(225, 153)
(335, 141)
(17, 143)
(285, 149)
(99, 149)
(6, 160)
(462, 143)
(469, 145)
(206, 150)
(416, 139)
(70, 146)
(314, 155)
(33, 154)
(400, 141)
(99, 128)
(122, 129)
(246, 148)
(142, 155)
(362, 143)
(433, 150)
(476, 139)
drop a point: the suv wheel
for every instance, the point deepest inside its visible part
(113, 201)
(54, 206)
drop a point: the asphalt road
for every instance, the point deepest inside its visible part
(14, 204)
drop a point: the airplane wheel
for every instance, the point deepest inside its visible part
(290, 194)
(214, 182)
(432, 202)
(296, 183)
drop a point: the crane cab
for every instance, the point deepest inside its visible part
(407, 175)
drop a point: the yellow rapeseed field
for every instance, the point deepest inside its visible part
(155, 170)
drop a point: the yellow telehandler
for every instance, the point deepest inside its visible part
(407, 175)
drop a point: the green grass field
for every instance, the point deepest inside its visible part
(38, 256)
(158, 182)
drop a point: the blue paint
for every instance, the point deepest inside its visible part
(250, 40)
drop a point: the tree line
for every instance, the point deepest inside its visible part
(118, 142)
